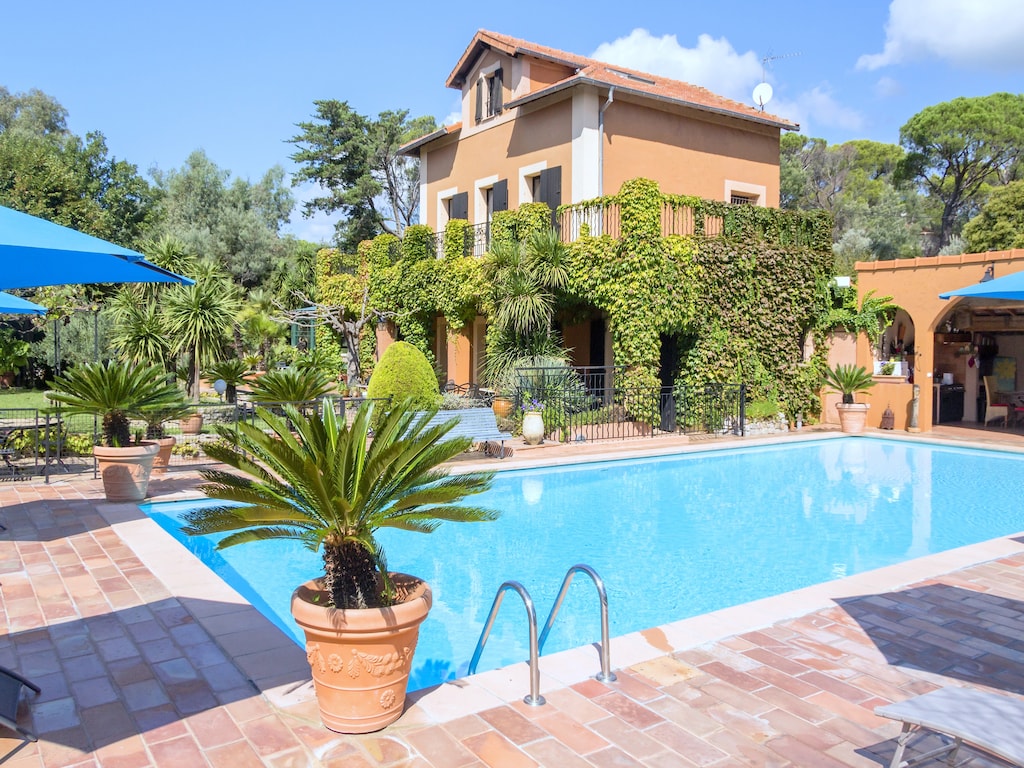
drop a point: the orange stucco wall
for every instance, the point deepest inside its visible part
(543, 135)
(915, 285)
(689, 154)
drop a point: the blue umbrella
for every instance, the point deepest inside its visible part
(1006, 287)
(36, 252)
(15, 305)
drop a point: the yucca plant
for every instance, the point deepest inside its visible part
(116, 392)
(324, 486)
(848, 380)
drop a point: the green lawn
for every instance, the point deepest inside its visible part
(23, 398)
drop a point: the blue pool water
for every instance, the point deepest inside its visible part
(672, 537)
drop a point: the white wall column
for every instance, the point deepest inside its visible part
(586, 146)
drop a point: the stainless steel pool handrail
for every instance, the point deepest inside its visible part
(606, 674)
(534, 698)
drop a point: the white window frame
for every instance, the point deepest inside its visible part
(756, 192)
(485, 75)
(480, 187)
(443, 196)
(526, 173)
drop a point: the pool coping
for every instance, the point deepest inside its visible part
(277, 667)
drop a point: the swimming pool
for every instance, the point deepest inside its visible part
(672, 537)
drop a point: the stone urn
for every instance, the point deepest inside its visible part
(533, 427)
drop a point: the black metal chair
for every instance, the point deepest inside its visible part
(11, 684)
(8, 452)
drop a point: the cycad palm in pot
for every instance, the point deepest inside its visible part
(313, 478)
(116, 393)
(848, 380)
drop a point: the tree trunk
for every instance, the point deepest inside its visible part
(350, 575)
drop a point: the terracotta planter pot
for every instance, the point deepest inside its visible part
(193, 425)
(360, 659)
(125, 471)
(852, 417)
(502, 407)
(163, 457)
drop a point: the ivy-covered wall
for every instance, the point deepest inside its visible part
(738, 300)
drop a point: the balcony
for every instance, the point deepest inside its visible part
(476, 241)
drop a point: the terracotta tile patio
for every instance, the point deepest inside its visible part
(146, 660)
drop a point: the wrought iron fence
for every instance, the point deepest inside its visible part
(476, 240)
(590, 403)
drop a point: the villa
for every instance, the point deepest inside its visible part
(543, 125)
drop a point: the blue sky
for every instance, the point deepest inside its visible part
(160, 80)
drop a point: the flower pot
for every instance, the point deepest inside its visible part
(502, 407)
(163, 457)
(533, 427)
(125, 471)
(361, 658)
(852, 417)
(193, 425)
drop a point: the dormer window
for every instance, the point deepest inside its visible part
(488, 95)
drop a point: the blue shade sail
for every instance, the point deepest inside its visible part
(35, 252)
(15, 305)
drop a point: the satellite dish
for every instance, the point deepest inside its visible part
(762, 95)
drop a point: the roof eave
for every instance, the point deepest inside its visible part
(622, 88)
(412, 149)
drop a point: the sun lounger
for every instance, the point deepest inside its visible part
(988, 721)
(11, 684)
(479, 424)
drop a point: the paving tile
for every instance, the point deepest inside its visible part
(235, 755)
(438, 746)
(495, 750)
(268, 735)
(214, 728)
(178, 752)
(512, 725)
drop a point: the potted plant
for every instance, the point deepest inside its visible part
(155, 419)
(848, 380)
(116, 393)
(330, 487)
(13, 355)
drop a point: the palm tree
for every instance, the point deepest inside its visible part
(324, 487)
(199, 317)
(116, 392)
(139, 333)
(291, 385)
(527, 279)
(232, 372)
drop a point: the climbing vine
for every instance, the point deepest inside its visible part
(737, 287)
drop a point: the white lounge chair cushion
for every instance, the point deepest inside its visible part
(993, 722)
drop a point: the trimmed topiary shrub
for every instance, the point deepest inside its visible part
(404, 372)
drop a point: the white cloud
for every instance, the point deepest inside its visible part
(816, 109)
(715, 65)
(712, 64)
(887, 87)
(977, 34)
(452, 118)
